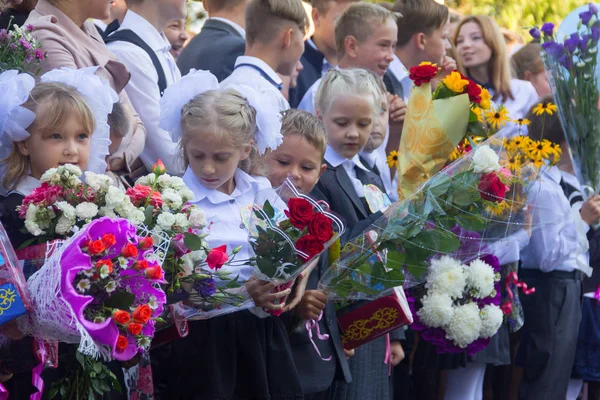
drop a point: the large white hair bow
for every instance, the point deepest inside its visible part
(14, 119)
(100, 97)
(178, 95)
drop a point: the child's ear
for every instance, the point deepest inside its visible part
(323, 168)
(420, 40)
(351, 46)
(319, 115)
(527, 75)
(23, 147)
(247, 150)
(287, 38)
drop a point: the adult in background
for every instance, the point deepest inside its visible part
(18, 13)
(70, 39)
(221, 41)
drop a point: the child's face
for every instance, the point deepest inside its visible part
(471, 47)
(436, 44)
(176, 35)
(377, 51)
(325, 23)
(297, 159)
(380, 127)
(68, 144)
(214, 160)
(348, 123)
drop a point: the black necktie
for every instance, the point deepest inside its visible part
(571, 192)
(368, 177)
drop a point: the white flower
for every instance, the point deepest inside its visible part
(446, 275)
(491, 320)
(114, 197)
(49, 175)
(171, 197)
(147, 180)
(86, 210)
(181, 220)
(437, 310)
(186, 194)
(144, 342)
(30, 224)
(88, 273)
(99, 320)
(485, 160)
(153, 302)
(110, 287)
(480, 277)
(197, 218)
(104, 271)
(165, 221)
(83, 285)
(73, 169)
(97, 181)
(64, 225)
(136, 216)
(68, 211)
(198, 255)
(107, 212)
(465, 325)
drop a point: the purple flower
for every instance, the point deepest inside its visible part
(585, 17)
(566, 61)
(593, 9)
(29, 58)
(39, 54)
(4, 34)
(29, 27)
(25, 44)
(583, 43)
(548, 28)
(535, 33)
(595, 35)
(572, 43)
(205, 287)
(13, 46)
(553, 49)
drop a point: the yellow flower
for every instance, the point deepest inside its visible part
(480, 114)
(427, 63)
(455, 82)
(522, 121)
(392, 159)
(518, 143)
(538, 163)
(486, 99)
(498, 209)
(514, 163)
(498, 118)
(548, 108)
(540, 149)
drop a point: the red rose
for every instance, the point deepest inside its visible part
(217, 257)
(135, 329)
(139, 194)
(109, 240)
(121, 317)
(491, 188)
(129, 251)
(423, 73)
(141, 265)
(320, 227)
(146, 243)
(96, 247)
(142, 314)
(154, 272)
(300, 212)
(122, 343)
(108, 263)
(474, 92)
(309, 245)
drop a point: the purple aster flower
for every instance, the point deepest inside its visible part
(25, 44)
(585, 17)
(29, 27)
(595, 35)
(572, 43)
(39, 54)
(593, 9)
(548, 28)
(205, 287)
(29, 58)
(4, 34)
(13, 46)
(535, 33)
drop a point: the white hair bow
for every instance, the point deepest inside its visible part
(14, 119)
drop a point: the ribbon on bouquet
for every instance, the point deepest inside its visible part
(388, 354)
(3, 392)
(47, 355)
(312, 324)
(513, 279)
(597, 293)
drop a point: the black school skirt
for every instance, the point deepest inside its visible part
(232, 357)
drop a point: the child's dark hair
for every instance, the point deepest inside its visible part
(119, 121)
(545, 126)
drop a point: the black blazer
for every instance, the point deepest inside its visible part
(214, 49)
(312, 61)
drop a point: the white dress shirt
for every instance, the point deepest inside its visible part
(308, 100)
(401, 73)
(235, 26)
(26, 185)
(525, 97)
(333, 158)
(143, 89)
(258, 74)
(558, 240)
(379, 157)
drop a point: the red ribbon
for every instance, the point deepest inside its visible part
(513, 279)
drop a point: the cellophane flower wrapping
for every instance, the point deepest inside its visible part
(101, 290)
(288, 232)
(14, 296)
(571, 67)
(473, 208)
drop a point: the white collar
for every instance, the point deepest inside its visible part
(398, 69)
(333, 158)
(26, 185)
(243, 184)
(235, 26)
(260, 64)
(153, 38)
(553, 173)
(370, 158)
(100, 24)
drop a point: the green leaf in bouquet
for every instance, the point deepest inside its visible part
(431, 204)
(266, 267)
(234, 283)
(120, 299)
(361, 288)
(379, 273)
(449, 243)
(394, 278)
(463, 198)
(476, 128)
(417, 270)
(396, 260)
(440, 185)
(148, 215)
(471, 222)
(473, 117)
(268, 209)
(192, 241)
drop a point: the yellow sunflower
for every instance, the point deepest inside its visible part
(498, 118)
(498, 209)
(518, 143)
(514, 163)
(486, 99)
(538, 163)
(540, 149)
(455, 82)
(480, 114)
(392, 159)
(548, 108)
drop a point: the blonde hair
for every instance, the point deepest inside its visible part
(528, 59)
(354, 81)
(307, 126)
(66, 102)
(266, 18)
(419, 16)
(498, 66)
(359, 20)
(226, 114)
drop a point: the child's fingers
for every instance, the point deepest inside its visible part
(274, 307)
(278, 295)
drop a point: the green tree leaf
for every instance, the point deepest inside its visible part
(192, 241)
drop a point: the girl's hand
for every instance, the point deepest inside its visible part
(349, 353)
(448, 65)
(300, 286)
(397, 109)
(312, 305)
(260, 292)
(397, 352)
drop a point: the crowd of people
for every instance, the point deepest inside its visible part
(342, 94)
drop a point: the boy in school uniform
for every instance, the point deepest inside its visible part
(275, 31)
(142, 46)
(555, 263)
(320, 53)
(300, 157)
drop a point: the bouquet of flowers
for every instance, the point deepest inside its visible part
(19, 50)
(571, 69)
(14, 298)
